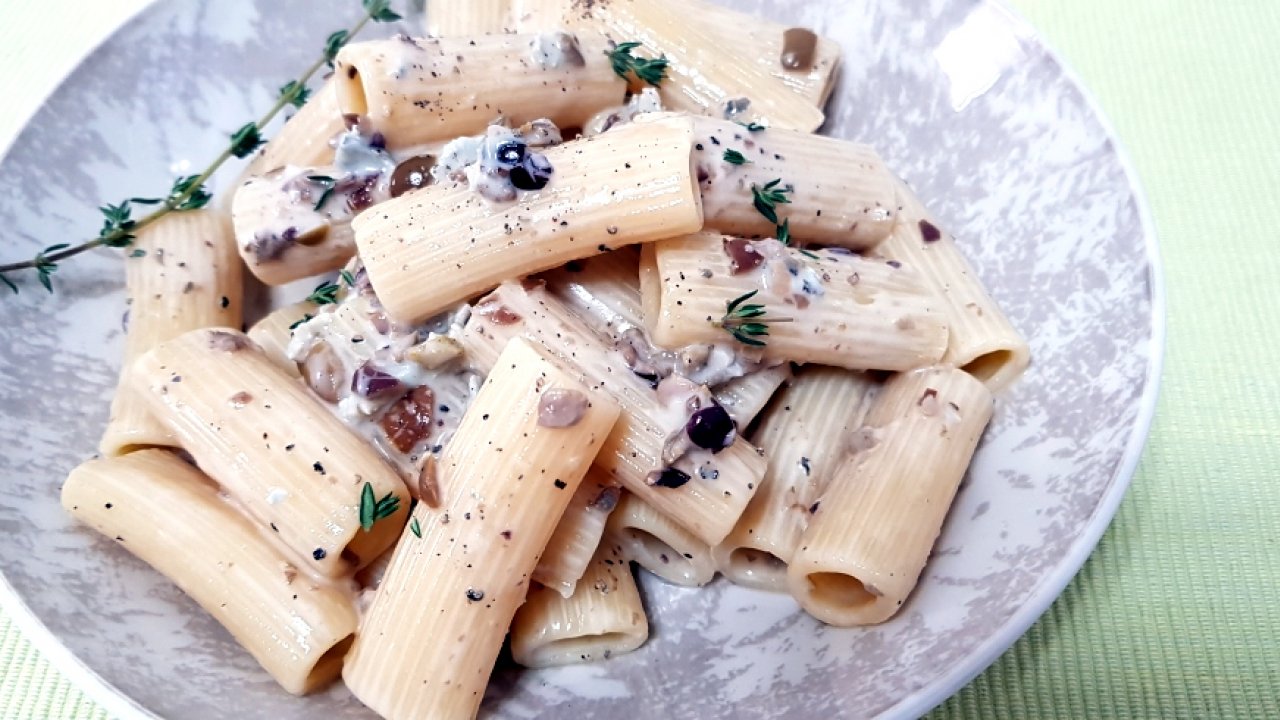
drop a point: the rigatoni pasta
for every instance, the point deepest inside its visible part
(603, 618)
(456, 580)
(571, 330)
(805, 433)
(255, 430)
(649, 452)
(182, 274)
(823, 307)
(273, 332)
(631, 185)
(659, 545)
(836, 192)
(577, 535)
(982, 340)
(169, 515)
(417, 90)
(705, 76)
(871, 530)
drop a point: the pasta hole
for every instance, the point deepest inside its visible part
(652, 551)
(352, 97)
(750, 562)
(985, 367)
(329, 665)
(350, 558)
(839, 590)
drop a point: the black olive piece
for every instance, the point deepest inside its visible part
(711, 428)
(511, 153)
(532, 174)
(671, 478)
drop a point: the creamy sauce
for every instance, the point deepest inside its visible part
(499, 164)
(645, 101)
(371, 371)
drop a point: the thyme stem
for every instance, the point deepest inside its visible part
(121, 236)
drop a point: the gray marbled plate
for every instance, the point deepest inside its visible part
(958, 95)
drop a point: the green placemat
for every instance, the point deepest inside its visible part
(1174, 616)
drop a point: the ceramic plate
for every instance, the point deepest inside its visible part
(958, 95)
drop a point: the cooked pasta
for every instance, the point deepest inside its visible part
(603, 617)
(871, 530)
(601, 298)
(181, 275)
(169, 515)
(455, 582)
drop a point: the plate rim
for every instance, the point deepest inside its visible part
(1050, 589)
(920, 701)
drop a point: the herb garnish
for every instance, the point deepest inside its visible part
(747, 322)
(371, 510)
(733, 157)
(652, 71)
(784, 232)
(326, 293)
(769, 197)
(119, 227)
(415, 528)
(347, 278)
(301, 320)
(753, 126)
(325, 182)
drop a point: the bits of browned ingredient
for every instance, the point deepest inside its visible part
(408, 421)
(429, 483)
(560, 408)
(227, 342)
(798, 47)
(743, 256)
(323, 372)
(412, 174)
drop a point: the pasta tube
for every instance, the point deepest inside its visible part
(273, 332)
(871, 530)
(746, 396)
(824, 307)
(271, 445)
(812, 80)
(449, 18)
(305, 139)
(706, 493)
(282, 235)
(602, 618)
(169, 515)
(705, 76)
(630, 185)
(837, 192)
(182, 274)
(982, 342)
(574, 542)
(659, 545)
(430, 639)
(416, 91)
(805, 434)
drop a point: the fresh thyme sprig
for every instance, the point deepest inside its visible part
(652, 71)
(768, 197)
(753, 126)
(297, 323)
(733, 157)
(748, 322)
(326, 293)
(372, 510)
(784, 232)
(119, 227)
